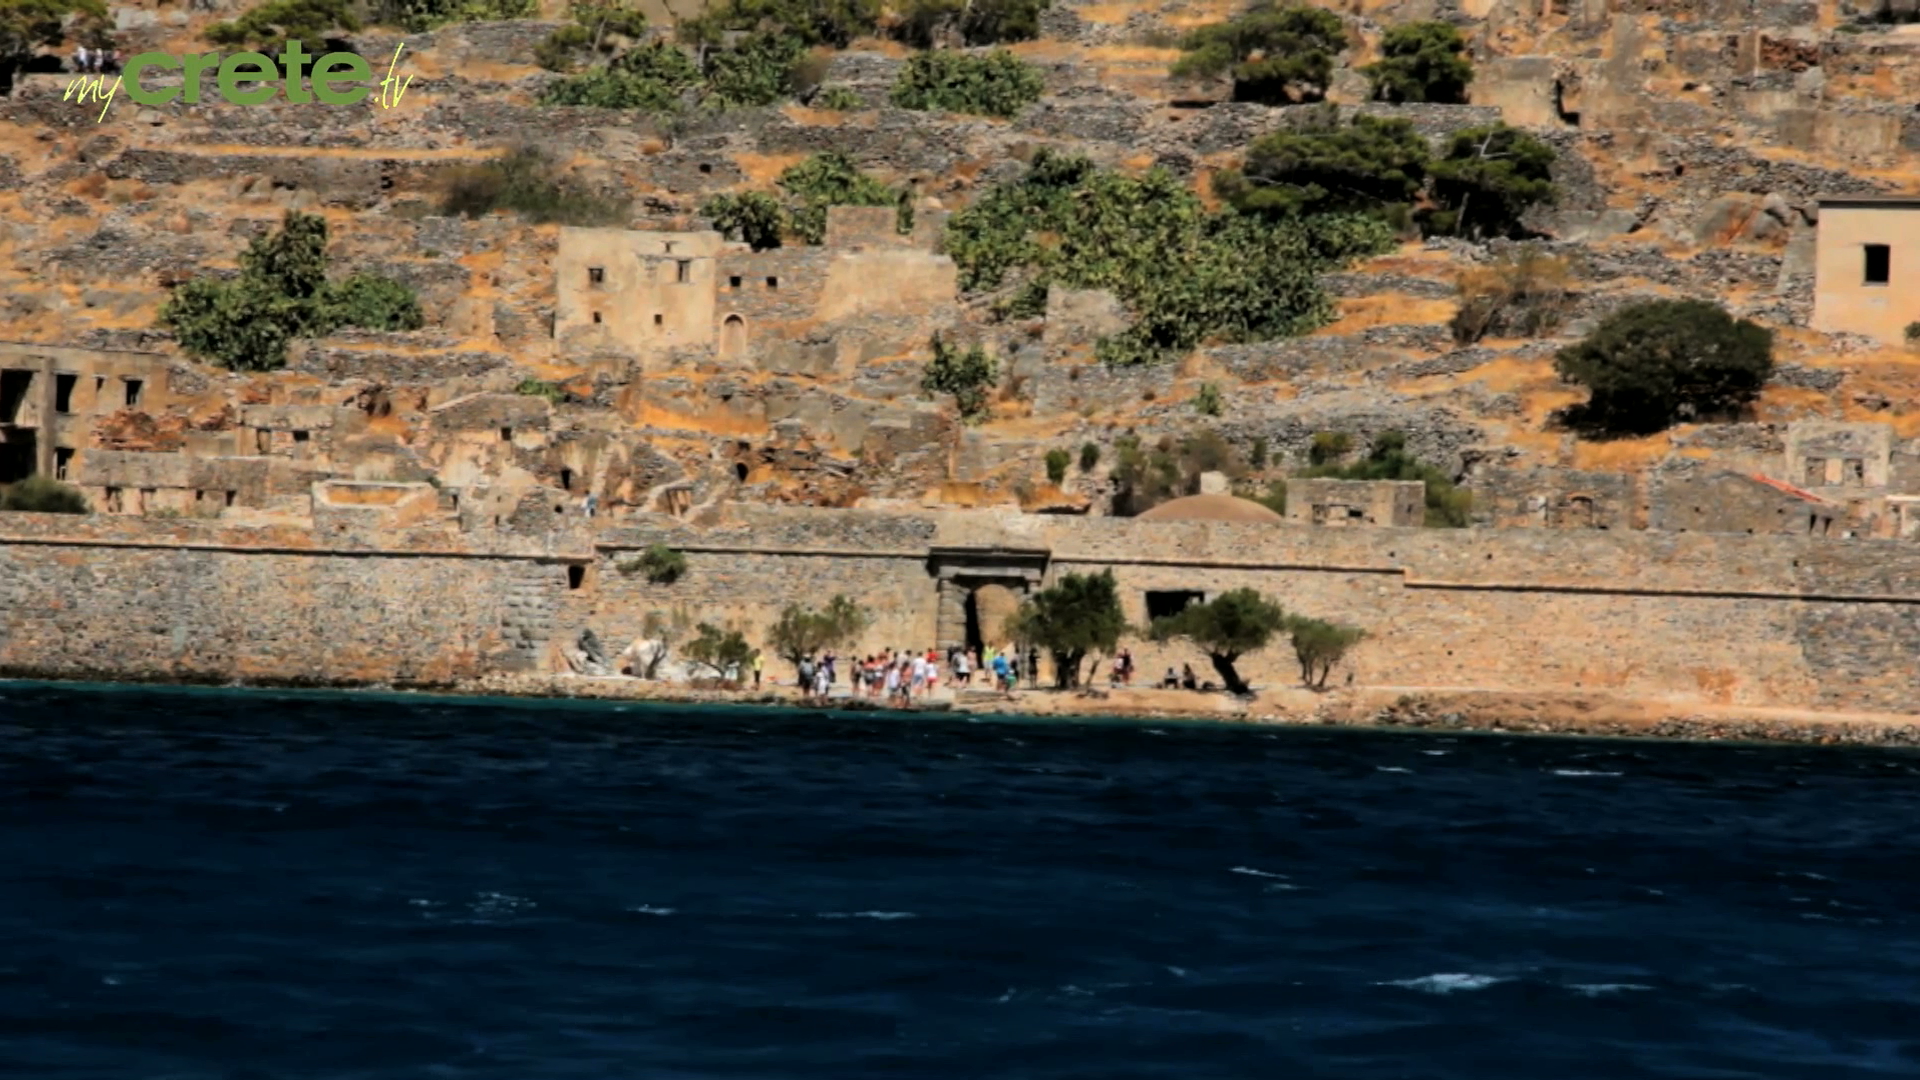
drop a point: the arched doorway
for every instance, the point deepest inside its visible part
(733, 338)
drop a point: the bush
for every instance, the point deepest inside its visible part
(1089, 457)
(43, 495)
(1448, 506)
(601, 29)
(655, 78)
(1076, 615)
(1488, 178)
(802, 632)
(419, 16)
(319, 25)
(1226, 628)
(528, 182)
(760, 69)
(1319, 645)
(837, 99)
(724, 652)
(924, 23)
(1523, 293)
(1146, 478)
(1057, 462)
(1275, 55)
(32, 24)
(553, 392)
(1913, 332)
(1328, 447)
(1257, 457)
(281, 294)
(753, 217)
(1238, 278)
(1207, 401)
(1651, 365)
(1421, 62)
(827, 180)
(660, 564)
(1365, 166)
(966, 374)
(834, 23)
(996, 84)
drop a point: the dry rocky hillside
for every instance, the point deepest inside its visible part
(1693, 137)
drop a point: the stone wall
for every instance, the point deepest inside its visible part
(1787, 621)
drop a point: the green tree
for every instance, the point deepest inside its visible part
(723, 651)
(1207, 401)
(1421, 62)
(967, 374)
(660, 564)
(27, 26)
(830, 179)
(1187, 275)
(922, 23)
(268, 28)
(1275, 55)
(1089, 457)
(1226, 628)
(1367, 166)
(995, 84)
(1319, 645)
(1448, 506)
(280, 295)
(1076, 615)
(1144, 478)
(527, 181)
(655, 78)
(753, 217)
(759, 69)
(1657, 363)
(601, 29)
(39, 494)
(1057, 462)
(1488, 178)
(803, 632)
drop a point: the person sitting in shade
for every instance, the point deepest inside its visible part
(1188, 681)
(1171, 681)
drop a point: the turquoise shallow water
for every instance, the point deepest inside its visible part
(212, 884)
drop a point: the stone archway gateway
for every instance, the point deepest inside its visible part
(980, 588)
(733, 338)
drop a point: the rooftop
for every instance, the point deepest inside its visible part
(1212, 508)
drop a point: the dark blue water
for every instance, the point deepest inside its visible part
(248, 885)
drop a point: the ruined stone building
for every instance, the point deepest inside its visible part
(1867, 266)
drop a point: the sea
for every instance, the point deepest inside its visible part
(254, 885)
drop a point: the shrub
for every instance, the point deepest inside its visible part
(812, 23)
(1207, 401)
(724, 652)
(1421, 62)
(1076, 615)
(753, 217)
(1523, 293)
(1319, 645)
(536, 388)
(1328, 446)
(1226, 628)
(601, 29)
(1057, 462)
(924, 23)
(837, 98)
(802, 632)
(966, 374)
(1365, 166)
(1913, 332)
(996, 84)
(32, 24)
(39, 494)
(1257, 457)
(654, 78)
(528, 182)
(319, 25)
(1144, 478)
(1275, 55)
(1651, 365)
(419, 16)
(1488, 178)
(826, 180)
(660, 564)
(760, 69)
(1069, 223)
(1089, 457)
(1448, 506)
(281, 294)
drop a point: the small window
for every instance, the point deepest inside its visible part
(1815, 471)
(230, 497)
(683, 271)
(301, 436)
(113, 500)
(576, 576)
(566, 479)
(506, 434)
(1164, 604)
(596, 276)
(667, 246)
(596, 318)
(733, 282)
(1856, 471)
(99, 384)
(1879, 264)
(147, 499)
(773, 283)
(706, 169)
(134, 387)
(63, 392)
(659, 319)
(62, 457)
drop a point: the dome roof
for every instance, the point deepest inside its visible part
(1212, 508)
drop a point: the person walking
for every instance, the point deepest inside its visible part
(757, 664)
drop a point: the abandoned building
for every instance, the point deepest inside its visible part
(1346, 503)
(50, 397)
(1867, 266)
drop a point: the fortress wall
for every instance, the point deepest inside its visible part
(1755, 620)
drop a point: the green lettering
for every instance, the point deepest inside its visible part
(150, 97)
(194, 66)
(341, 67)
(293, 64)
(232, 79)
